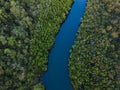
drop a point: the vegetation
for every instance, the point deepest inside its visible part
(27, 31)
(95, 56)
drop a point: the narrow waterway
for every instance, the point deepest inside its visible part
(57, 75)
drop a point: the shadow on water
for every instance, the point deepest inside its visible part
(57, 75)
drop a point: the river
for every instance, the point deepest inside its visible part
(57, 75)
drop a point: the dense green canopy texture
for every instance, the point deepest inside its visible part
(95, 56)
(27, 31)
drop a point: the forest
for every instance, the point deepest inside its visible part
(95, 56)
(27, 31)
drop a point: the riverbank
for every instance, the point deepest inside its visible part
(47, 27)
(95, 56)
(28, 29)
(57, 75)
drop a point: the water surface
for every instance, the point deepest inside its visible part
(57, 75)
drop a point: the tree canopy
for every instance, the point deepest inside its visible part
(95, 56)
(27, 31)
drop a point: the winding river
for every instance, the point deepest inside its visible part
(57, 75)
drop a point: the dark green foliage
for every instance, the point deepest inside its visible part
(27, 31)
(95, 57)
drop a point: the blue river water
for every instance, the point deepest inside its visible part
(57, 75)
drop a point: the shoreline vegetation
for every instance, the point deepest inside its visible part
(95, 56)
(27, 32)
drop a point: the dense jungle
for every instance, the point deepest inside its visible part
(95, 56)
(27, 33)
